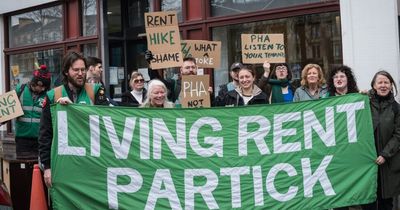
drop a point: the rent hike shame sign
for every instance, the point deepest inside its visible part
(308, 155)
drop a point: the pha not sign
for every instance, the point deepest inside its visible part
(194, 91)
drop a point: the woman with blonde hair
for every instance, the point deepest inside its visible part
(138, 93)
(157, 95)
(312, 84)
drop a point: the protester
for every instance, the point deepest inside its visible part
(137, 95)
(95, 70)
(189, 67)
(247, 93)
(157, 95)
(312, 84)
(31, 97)
(386, 124)
(341, 81)
(74, 90)
(278, 83)
(225, 88)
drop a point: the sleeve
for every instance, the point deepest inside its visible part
(45, 134)
(393, 145)
(296, 96)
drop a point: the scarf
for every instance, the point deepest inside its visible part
(276, 89)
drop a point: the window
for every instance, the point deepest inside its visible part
(22, 65)
(35, 27)
(307, 40)
(90, 50)
(231, 7)
(89, 13)
(173, 5)
(114, 18)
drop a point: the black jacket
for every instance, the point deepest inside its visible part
(127, 99)
(233, 98)
(46, 126)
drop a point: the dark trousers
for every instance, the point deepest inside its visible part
(26, 148)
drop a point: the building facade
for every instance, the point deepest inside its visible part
(360, 33)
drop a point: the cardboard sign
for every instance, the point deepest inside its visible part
(163, 39)
(194, 91)
(10, 107)
(206, 53)
(257, 48)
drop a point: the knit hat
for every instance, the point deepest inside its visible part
(42, 75)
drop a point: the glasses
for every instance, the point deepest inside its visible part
(138, 81)
(339, 77)
(83, 70)
(281, 68)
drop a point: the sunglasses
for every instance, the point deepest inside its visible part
(138, 81)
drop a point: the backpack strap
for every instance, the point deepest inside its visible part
(21, 90)
(89, 91)
(57, 93)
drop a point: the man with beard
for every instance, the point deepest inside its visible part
(74, 90)
(31, 97)
(189, 67)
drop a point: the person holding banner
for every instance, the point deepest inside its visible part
(247, 93)
(74, 90)
(341, 81)
(386, 124)
(312, 84)
(277, 83)
(157, 96)
(31, 96)
(138, 94)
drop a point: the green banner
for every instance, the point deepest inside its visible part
(308, 155)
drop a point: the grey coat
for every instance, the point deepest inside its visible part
(386, 122)
(302, 94)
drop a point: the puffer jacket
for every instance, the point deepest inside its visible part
(234, 97)
(386, 125)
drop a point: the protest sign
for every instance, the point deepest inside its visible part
(308, 155)
(10, 107)
(257, 48)
(163, 39)
(206, 53)
(194, 91)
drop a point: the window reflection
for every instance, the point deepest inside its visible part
(230, 7)
(36, 27)
(89, 13)
(22, 65)
(173, 5)
(311, 38)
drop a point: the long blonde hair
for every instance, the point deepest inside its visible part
(304, 72)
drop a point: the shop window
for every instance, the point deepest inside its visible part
(114, 18)
(308, 39)
(33, 27)
(136, 10)
(173, 5)
(90, 50)
(231, 7)
(22, 65)
(89, 13)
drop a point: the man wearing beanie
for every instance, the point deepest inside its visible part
(74, 90)
(31, 96)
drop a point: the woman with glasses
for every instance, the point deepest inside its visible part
(312, 84)
(277, 83)
(137, 95)
(341, 81)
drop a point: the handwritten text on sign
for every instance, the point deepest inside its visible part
(10, 107)
(163, 39)
(206, 53)
(194, 91)
(257, 48)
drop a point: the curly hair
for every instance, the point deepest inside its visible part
(351, 80)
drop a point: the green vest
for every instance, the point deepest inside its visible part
(82, 98)
(28, 124)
